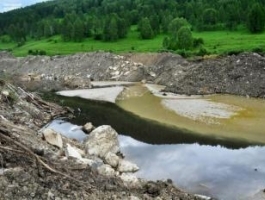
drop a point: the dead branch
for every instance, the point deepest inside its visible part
(38, 159)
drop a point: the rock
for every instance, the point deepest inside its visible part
(202, 197)
(112, 159)
(130, 180)
(102, 140)
(5, 93)
(152, 189)
(133, 198)
(72, 152)
(53, 138)
(106, 170)
(152, 74)
(88, 127)
(127, 166)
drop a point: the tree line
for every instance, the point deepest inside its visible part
(110, 20)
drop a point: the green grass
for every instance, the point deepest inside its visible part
(216, 42)
(220, 42)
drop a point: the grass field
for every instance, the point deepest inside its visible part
(216, 42)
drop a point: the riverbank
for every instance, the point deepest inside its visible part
(242, 74)
(44, 165)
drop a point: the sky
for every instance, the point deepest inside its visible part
(6, 5)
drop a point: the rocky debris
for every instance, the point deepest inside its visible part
(53, 138)
(106, 170)
(242, 74)
(31, 168)
(64, 72)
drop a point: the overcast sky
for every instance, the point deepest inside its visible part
(6, 5)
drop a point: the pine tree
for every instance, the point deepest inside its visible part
(146, 31)
(256, 19)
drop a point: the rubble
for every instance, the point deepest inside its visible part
(32, 168)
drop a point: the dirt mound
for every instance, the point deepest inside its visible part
(237, 74)
(243, 74)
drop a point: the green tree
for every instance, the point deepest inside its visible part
(209, 16)
(176, 24)
(78, 30)
(256, 19)
(185, 40)
(110, 32)
(146, 31)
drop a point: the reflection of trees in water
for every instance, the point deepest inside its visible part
(126, 123)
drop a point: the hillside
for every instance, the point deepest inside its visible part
(91, 21)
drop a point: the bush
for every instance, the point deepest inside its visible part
(202, 52)
(233, 52)
(184, 53)
(197, 42)
(37, 52)
(258, 50)
(42, 52)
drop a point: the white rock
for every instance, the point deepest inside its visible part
(72, 152)
(102, 140)
(112, 159)
(5, 93)
(106, 170)
(88, 127)
(88, 161)
(127, 166)
(152, 74)
(130, 179)
(126, 73)
(133, 198)
(52, 137)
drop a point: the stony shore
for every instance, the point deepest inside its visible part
(40, 163)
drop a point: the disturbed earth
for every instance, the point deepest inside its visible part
(37, 163)
(242, 74)
(33, 167)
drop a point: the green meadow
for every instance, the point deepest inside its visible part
(215, 42)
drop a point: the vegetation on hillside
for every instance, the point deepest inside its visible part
(111, 21)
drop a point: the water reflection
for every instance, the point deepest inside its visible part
(67, 129)
(214, 171)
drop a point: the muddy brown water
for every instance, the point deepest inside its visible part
(248, 123)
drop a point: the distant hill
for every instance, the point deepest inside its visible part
(109, 20)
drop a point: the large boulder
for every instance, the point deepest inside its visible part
(101, 141)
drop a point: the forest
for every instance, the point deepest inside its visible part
(111, 20)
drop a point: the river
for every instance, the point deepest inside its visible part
(214, 153)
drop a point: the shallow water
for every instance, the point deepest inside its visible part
(214, 171)
(200, 169)
(239, 117)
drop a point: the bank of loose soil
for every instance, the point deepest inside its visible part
(242, 74)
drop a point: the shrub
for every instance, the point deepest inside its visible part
(197, 42)
(202, 52)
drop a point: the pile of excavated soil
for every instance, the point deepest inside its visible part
(242, 74)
